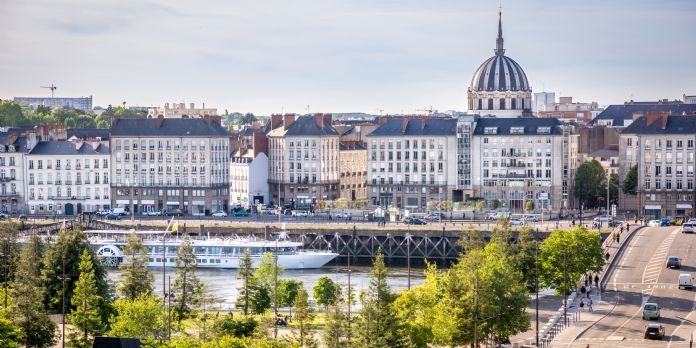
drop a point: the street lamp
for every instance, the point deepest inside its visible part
(275, 302)
(129, 184)
(63, 278)
(168, 295)
(408, 255)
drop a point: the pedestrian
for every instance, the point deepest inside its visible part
(582, 305)
(589, 305)
(618, 238)
(589, 290)
(583, 290)
(596, 277)
(586, 280)
(627, 226)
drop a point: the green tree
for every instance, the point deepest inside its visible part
(529, 206)
(142, 317)
(85, 317)
(526, 257)
(9, 250)
(287, 292)
(415, 308)
(136, 280)
(267, 272)
(10, 334)
(576, 251)
(13, 115)
(28, 314)
(326, 292)
(377, 325)
(260, 298)
(630, 183)
(590, 181)
(186, 286)
(472, 238)
(303, 318)
(246, 273)
(495, 204)
(230, 326)
(336, 327)
(67, 251)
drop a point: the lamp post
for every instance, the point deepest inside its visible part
(169, 296)
(408, 255)
(132, 203)
(63, 278)
(536, 281)
(275, 302)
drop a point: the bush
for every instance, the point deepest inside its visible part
(229, 326)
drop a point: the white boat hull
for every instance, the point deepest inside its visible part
(301, 260)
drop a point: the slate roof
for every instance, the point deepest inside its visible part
(619, 113)
(416, 127)
(84, 133)
(305, 126)
(605, 153)
(171, 127)
(675, 125)
(67, 148)
(530, 125)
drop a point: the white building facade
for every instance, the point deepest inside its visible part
(12, 150)
(248, 178)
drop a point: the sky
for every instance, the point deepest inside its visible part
(372, 56)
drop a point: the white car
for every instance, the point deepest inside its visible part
(603, 218)
(516, 221)
(688, 228)
(654, 223)
(102, 212)
(154, 213)
(219, 214)
(301, 213)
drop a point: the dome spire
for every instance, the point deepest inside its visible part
(499, 50)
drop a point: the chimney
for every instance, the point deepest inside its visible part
(319, 120)
(160, 120)
(260, 143)
(288, 120)
(328, 118)
(276, 121)
(657, 116)
(404, 124)
(192, 105)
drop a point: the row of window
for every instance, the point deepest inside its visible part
(42, 193)
(668, 156)
(669, 170)
(11, 161)
(680, 197)
(79, 164)
(407, 156)
(678, 184)
(389, 167)
(216, 145)
(89, 178)
(429, 143)
(668, 143)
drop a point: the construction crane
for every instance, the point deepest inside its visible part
(52, 88)
(429, 110)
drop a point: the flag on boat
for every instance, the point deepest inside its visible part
(175, 227)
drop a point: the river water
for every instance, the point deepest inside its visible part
(223, 283)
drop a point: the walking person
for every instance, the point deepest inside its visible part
(596, 279)
(583, 290)
(582, 305)
(589, 305)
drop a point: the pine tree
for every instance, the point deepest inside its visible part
(186, 286)
(137, 280)
(37, 328)
(303, 318)
(336, 326)
(377, 324)
(9, 250)
(246, 273)
(85, 317)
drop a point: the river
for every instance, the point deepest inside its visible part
(223, 283)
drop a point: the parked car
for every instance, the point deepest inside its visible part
(687, 228)
(665, 221)
(673, 262)
(240, 213)
(651, 311)
(175, 212)
(436, 216)
(119, 211)
(654, 331)
(3, 216)
(531, 218)
(603, 218)
(692, 221)
(516, 221)
(614, 223)
(23, 218)
(654, 223)
(219, 214)
(301, 213)
(154, 213)
(102, 212)
(270, 211)
(414, 221)
(343, 215)
(112, 216)
(499, 215)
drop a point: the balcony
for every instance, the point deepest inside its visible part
(68, 198)
(9, 194)
(6, 179)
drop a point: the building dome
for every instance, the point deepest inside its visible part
(500, 73)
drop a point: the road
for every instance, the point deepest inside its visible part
(641, 276)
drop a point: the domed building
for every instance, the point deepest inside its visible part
(499, 86)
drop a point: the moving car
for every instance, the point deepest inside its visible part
(651, 311)
(531, 218)
(614, 223)
(240, 213)
(119, 211)
(603, 218)
(654, 223)
(686, 281)
(112, 216)
(219, 214)
(301, 213)
(516, 221)
(414, 221)
(687, 228)
(654, 331)
(665, 221)
(23, 218)
(499, 215)
(102, 212)
(673, 262)
(154, 213)
(435, 216)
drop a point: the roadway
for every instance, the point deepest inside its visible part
(641, 276)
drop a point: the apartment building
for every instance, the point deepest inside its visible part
(68, 177)
(179, 110)
(13, 146)
(249, 172)
(465, 130)
(304, 160)
(568, 111)
(172, 165)
(353, 168)
(663, 147)
(412, 160)
(623, 115)
(521, 159)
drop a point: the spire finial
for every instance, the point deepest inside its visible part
(499, 50)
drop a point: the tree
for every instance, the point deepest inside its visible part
(287, 292)
(28, 314)
(631, 181)
(85, 317)
(326, 292)
(186, 286)
(377, 323)
(495, 204)
(415, 308)
(590, 181)
(260, 298)
(142, 317)
(136, 280)
(229, 326)
(67, 250)
(576, 251)
(526, 257)
(303, 318)
(267, 272)
(10, 334)
(336, 327)
(246, 273)
(9, 249)
(472, 238)
(529, 206)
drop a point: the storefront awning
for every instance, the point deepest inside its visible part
(684, 206)
(147, 201)
(172, 203)
(198, 202)
(653, 207)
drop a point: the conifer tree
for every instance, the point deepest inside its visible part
(303, 318)
(246, 273)
(137, 280)
(85, 317)
(336, 326)
(186, 286)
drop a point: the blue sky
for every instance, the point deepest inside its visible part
(341, 56)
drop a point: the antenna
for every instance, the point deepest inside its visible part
(52, 88)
